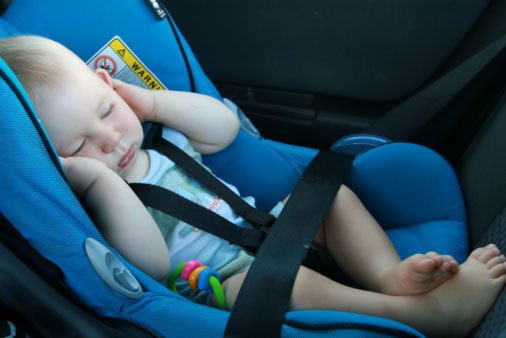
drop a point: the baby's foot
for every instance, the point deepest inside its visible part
(419, 273)
(459, 304)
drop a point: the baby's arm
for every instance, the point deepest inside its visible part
(207, 122)
(119, 215)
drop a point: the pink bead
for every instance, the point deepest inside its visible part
(189, 267)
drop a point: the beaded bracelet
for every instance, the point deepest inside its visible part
(201, 277)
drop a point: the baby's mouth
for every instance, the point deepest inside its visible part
(127, 158)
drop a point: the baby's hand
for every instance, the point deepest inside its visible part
(82, 173)
(142, 101)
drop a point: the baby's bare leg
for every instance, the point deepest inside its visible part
(438, 312)
(361, 248)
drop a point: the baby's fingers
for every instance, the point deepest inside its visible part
(140, 100)
(118, 84)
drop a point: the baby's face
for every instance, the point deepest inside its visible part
(85, 117)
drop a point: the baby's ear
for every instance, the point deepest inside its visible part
(104, 75)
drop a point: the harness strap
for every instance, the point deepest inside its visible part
(187, 211)
(265, 293)
(257, 218)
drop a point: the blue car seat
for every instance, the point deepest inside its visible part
(409, 189)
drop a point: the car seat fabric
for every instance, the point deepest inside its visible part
(31, 163)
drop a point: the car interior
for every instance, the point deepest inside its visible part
(383, 81)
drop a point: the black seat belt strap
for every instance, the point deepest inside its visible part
(254, 216)
(263, 300)
(408, 117)
(189, 212)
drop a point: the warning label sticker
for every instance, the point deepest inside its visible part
(122, 64)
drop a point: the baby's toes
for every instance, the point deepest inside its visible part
(437, 258)
(424, 264)
(494, 261)
(444, 263)
(450, 264)
(433, 254)
(454, 266)
(498, 270)
(490, 252)
(478, 252)
(497, 266)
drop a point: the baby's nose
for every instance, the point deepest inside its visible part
(110, 141)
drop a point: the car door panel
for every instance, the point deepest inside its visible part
(321, 68)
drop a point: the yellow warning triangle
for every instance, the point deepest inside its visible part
(121, 52)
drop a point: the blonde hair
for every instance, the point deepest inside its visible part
(35, 60)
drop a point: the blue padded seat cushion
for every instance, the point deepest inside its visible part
(415, 195)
